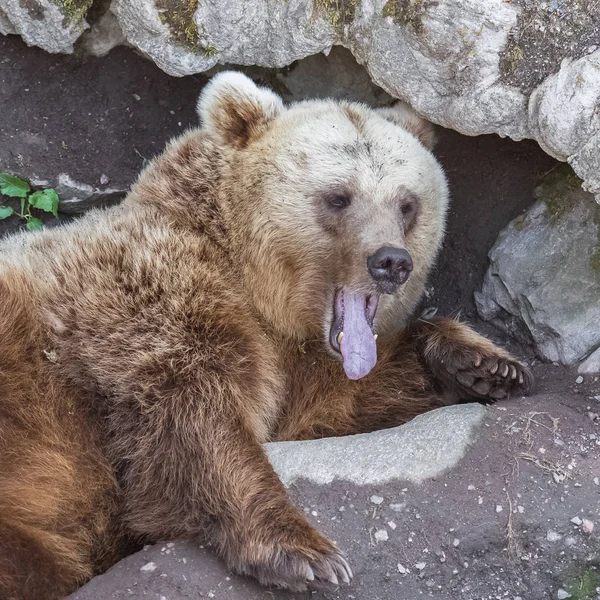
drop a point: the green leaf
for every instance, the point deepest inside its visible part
(34, 224)
(46, 200)
(5, 212)
(13, 186)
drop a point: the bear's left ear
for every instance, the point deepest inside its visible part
(235, 109)
(404, 115)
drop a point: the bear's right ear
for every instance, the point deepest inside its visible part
(235, 109)
(404, 115)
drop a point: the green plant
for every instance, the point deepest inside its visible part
(45, 200)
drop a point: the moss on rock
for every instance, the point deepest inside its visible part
(73, 10)
(338, 12)
(179, 16)
(409, 13)
(556, 189)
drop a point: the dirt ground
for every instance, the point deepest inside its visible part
(105, 117)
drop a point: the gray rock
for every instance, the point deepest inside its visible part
(427, 446)
(543, 282)
(53, 25)
(591, 364)
(76, 198)
(6, 27)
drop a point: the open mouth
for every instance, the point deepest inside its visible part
(351, 333)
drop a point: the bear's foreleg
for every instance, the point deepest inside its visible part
(193, 469)
(465, 365)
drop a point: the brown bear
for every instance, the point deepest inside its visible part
(256, 284)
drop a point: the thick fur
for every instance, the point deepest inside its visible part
(147, 351)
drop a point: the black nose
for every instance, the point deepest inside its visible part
(390, 267)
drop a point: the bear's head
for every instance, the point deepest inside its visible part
(336, 212)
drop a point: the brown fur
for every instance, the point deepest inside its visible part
(146, 355)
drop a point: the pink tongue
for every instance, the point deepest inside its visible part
(358, 345)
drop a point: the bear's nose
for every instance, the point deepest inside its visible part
(390, 267)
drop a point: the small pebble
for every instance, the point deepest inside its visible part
(137, 97)
(402, 569)
(148, 567)
(170, 545)
(398, 507)
(456, 542)
(376, 499)
(420, 566)
(562, 594)
(471, 487)
(381, 535)
(520, 509)
(576, 521)
(570, 541)
(553, 536)
(587, 526)
(498, 508)
(314, 513)
(104, 179)
(578, 381)
(596, 481)
(392, 525)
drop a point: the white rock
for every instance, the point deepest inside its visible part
(376, 499)
(553, 536)
(148, 567)
(587, 526)
(420, 566)
(402, 569)
(381, 535)
(425, 447)
(562, 594)
(576, 521)
(44, 24)
(392, 525)
(499, 508)
(579, 380)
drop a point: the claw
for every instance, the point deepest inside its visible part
(494, 369)
(310, 574)
(521, 378)
(334, 579)
(347, 567)
(513, 372)
(478, 360)
(505, 371)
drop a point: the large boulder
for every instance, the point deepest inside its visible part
(543, 283)
(523, 69)
(53, 25)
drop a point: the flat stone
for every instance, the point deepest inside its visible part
(426, 447)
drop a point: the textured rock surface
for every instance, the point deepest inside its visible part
(426, 447)
(521, 69)
(544, 275)
(496, 525)
(53, 25)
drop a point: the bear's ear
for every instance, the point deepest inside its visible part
(235, 109)
(405, 116)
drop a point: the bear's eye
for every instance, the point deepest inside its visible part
(409, 209)
(338, 200)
